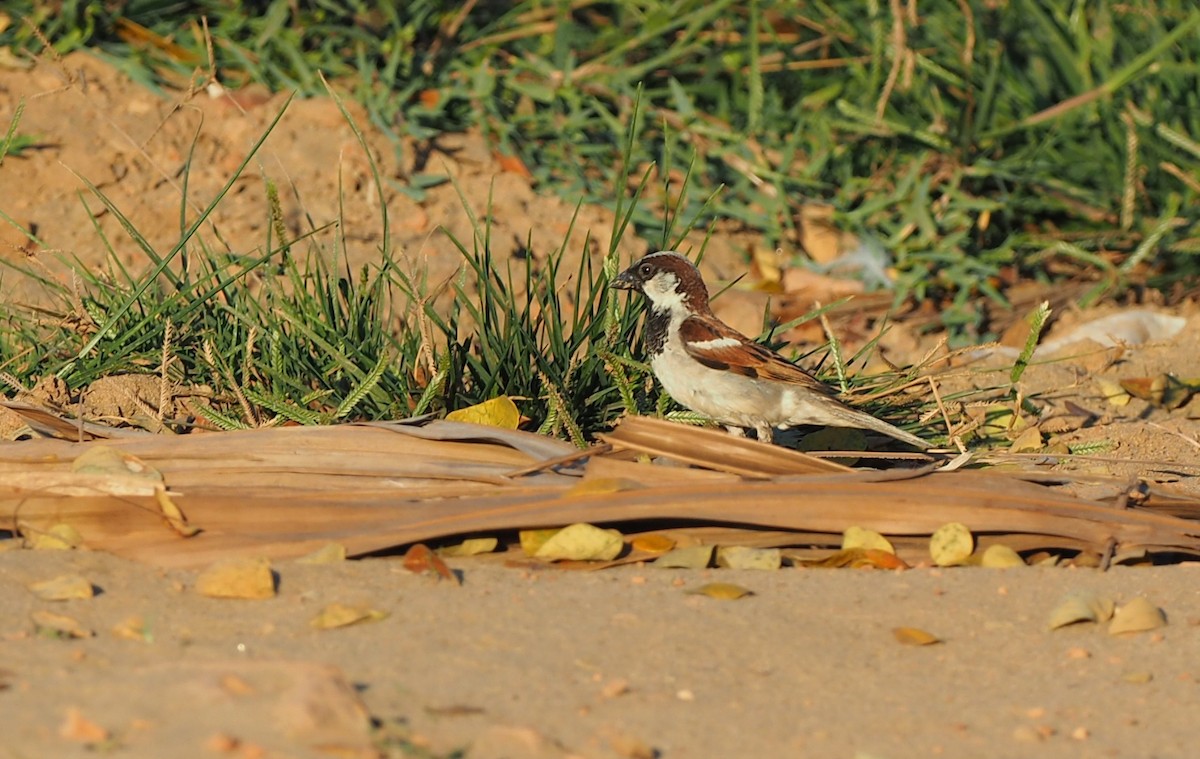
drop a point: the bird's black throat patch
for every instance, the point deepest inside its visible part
(657, 322)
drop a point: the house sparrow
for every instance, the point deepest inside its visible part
(714, 370)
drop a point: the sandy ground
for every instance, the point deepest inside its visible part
(619, 663)
(550, 663)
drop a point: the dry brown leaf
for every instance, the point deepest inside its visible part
(496, 412)
(78, 728)
(1139, 615)
(653, 543)
(951, 544)
(582, 542)
(744, 557)
(858, 558)
(469, 547)
(63, 588)
(690, 557)
(913, 636)
(422, 561)
(342, 615)
(248, 578)
(1082, 606)
(51, 625)
(860, 537)
(722, 591)
(513, 165)
(819, 234)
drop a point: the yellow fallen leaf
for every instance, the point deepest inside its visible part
(1113, 393)
(341, 615)
(1000, 557)
(330, 553)
(533, 540)
(63, 588)
(1139, 615)
(744, 557)
(582, 542)
(60, 537)
(496, 412)
(469, 547)
(951, 544)
(653, 543)
(173, 515)
(860, 537)
(912, 636)
(51, 625)
(133, 628)
(1028, 441)
(722, 591)
(1081, 607)
(249, 578)
(691, 557)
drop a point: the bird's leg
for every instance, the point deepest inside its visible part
(764, 432)
(735, 431)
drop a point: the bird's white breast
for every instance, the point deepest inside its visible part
(724, 396)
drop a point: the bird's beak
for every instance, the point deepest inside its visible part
(625, 281)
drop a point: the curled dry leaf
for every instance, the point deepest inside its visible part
(422, 561)
(653, 543)
(497, 412)
(744, 557)
(722, 591)
(469, 547)
(330, 553)
(1000, 557)
(51, 625)
(1139, 615)
(1081, 607)
(951, 544)
(691, 557)
(913, 636)
(63, 588)
(582, 542)
(860, 537)
(246, 578)
(342, 615)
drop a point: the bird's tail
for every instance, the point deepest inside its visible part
(863, 420)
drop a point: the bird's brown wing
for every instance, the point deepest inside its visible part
(719, 346)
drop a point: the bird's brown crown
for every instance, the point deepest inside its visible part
(688, 282)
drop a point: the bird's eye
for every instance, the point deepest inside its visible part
(645, 270)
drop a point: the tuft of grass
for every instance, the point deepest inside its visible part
(982, 143)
